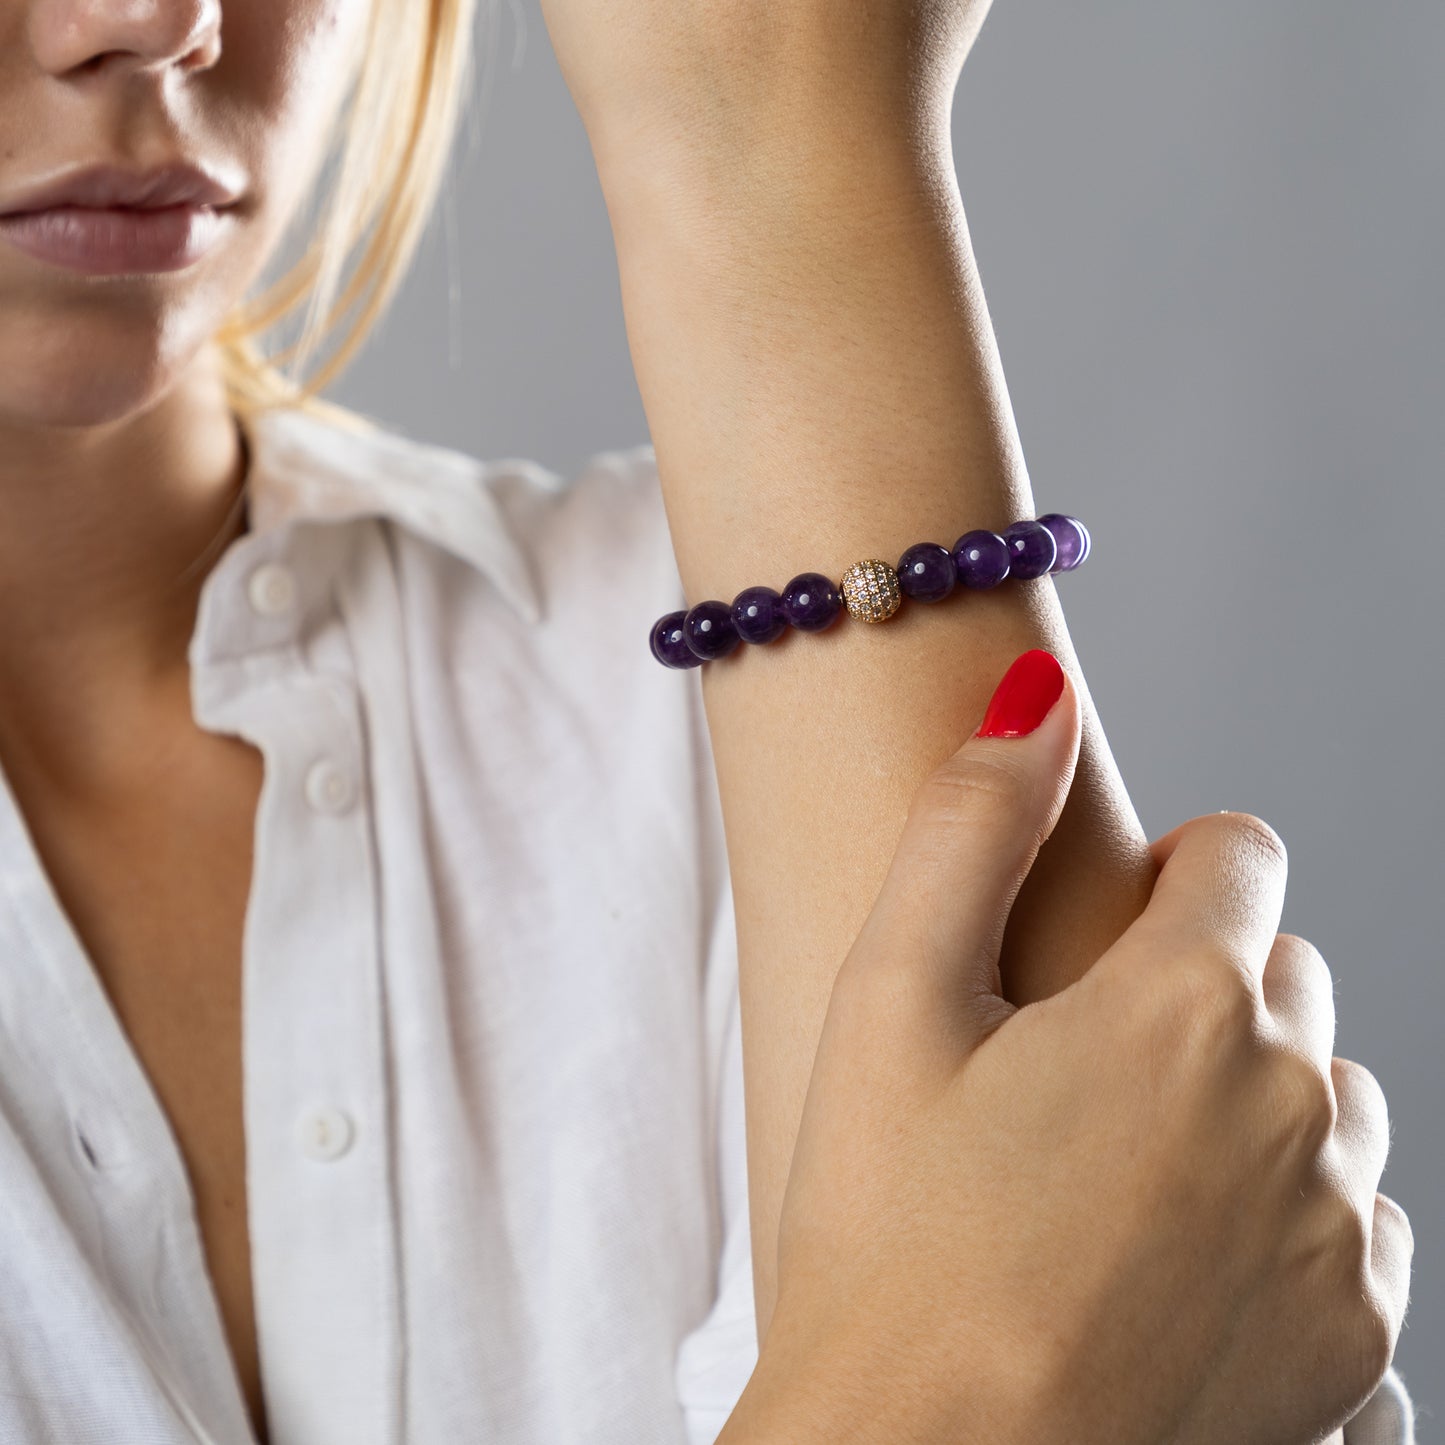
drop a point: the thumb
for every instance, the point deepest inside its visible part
(973, 831)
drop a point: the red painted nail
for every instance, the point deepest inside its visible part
(1024, 696)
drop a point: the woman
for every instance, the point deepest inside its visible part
(373, 991)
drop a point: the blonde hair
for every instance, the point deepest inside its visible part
(397, 123)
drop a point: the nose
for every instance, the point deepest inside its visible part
(126, 35)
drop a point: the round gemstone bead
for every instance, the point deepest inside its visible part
(709, 629)
(982, 558)
(1072, 537)
(811, 601)
(758, 614)
(669, 644)
(870, 590)
(1031, 549)
(926, 572)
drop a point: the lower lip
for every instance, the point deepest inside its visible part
(115, 241)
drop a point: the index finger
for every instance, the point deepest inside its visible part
(1221, 882)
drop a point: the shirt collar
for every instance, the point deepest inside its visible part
(304, 466)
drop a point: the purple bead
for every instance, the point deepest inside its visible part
(926, 572)
(709, 630)
(1031, 549)
(982, 558)
(1073, 539)
(668, 643)
(758, 614)
(811, 601)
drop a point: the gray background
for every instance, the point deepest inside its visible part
(1211, 240)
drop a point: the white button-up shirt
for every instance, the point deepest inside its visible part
(492, 1072)
(491, 1068)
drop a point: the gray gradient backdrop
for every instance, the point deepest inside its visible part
(1211, 241)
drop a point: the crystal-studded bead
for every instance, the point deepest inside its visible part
(870, 590)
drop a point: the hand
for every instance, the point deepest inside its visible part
(705, 77)
(1142, 1209)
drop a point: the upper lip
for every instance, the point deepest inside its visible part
(176, 184)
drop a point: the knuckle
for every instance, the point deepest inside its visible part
(1295, 961)
(1200, 1008)
(964, 788)
(1366, 1096)
(1217, 998)
(1319, 980)
(1357, 1077)
(1351, 1235)
(1353, 1302)
(1304, 1097)
(1306, 957)
(1372, 1328)
(1393, 1210)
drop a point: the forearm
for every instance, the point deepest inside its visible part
(822, 384)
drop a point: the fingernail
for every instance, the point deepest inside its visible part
(1024, 696)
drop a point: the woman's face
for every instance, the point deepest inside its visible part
(246, 89)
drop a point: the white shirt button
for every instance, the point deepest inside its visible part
(330, 788)
(272, 589)
(324, 1132)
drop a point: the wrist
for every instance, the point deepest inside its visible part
(813, 1387)
(801, 1397)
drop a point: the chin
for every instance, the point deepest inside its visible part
(91, 371)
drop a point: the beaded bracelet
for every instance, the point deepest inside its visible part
(871, 590)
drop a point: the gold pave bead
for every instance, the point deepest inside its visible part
(870, 590)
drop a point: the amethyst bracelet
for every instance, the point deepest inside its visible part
(870, 590)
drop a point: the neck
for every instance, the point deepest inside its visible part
(109, 532)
